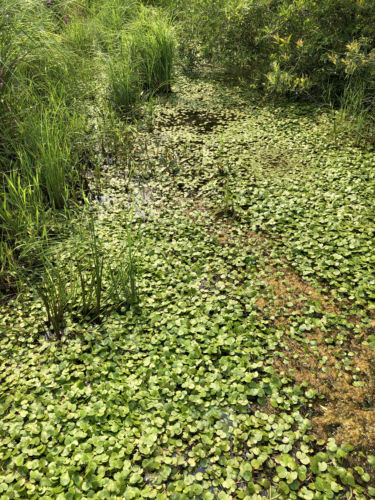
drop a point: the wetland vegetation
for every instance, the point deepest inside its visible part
(187, 251)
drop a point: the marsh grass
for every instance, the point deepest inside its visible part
(40, 83)
(96, 267)
(107, 282)
(154, 46)
(354, 112)
(81, 35)
(87, 282)
(9, 271)
(111, 17)
(353, 115)
(53, 151)
(57, 293)
(60, 64)
(144, 63)
(123, 288)
(122, 284)
(124, 81)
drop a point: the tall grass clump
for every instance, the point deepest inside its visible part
(106, 282)
(123, 276)
(355, 115)
(153, 46)
(144, 65)
(23, 220)
(41, 84)
(44, 85)
(36, 61)
(57, 293)
(53, 142)
(91, 274)
(124, 80)
(111, 18)
(22, 212)
(81, 33)
(87, 282)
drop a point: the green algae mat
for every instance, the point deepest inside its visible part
(247, 369)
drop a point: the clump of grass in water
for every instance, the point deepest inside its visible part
(123, 288)
(92, 284)
(21, 209)
(51, 150)
(90, 274)
(154, 47)
(353, 113)
(111, 17)
(124, 81)
(145, 62)
(9, 271)
(57, 293)
(41, 129)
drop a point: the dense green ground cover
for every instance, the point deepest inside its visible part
(312, 191)
(196, 392)
(195, 269)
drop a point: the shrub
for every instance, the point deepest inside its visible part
(297, 48)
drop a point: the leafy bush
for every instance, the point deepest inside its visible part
(298, 48)
(322, 46)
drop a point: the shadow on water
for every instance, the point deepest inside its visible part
(205, 121)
